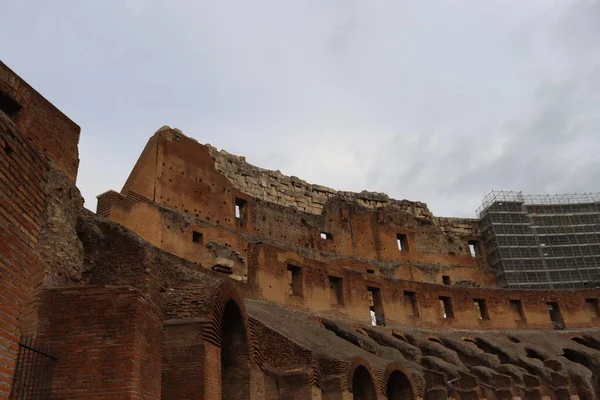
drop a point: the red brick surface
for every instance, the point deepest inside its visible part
(21, 204)
(108, 341)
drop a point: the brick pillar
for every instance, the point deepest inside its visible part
(108, 341)
(22, 181)
(334, 389)
(191, 367)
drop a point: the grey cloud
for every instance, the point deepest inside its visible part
(432, 101)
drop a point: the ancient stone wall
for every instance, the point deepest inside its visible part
(410, 303)
(175, 191)
(44, 127)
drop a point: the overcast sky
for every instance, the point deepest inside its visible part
(436, 101)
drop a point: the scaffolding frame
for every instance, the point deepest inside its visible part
(542, 241)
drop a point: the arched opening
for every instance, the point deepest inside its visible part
(235, 369)
(362, 385)
(398, 387)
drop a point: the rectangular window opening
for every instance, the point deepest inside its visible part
(555, 315)
(446, 280)
(517, 309)
(336, 294)
(294, 274)
(446, 307)
(474, 248)
(593, 308)
(370, 271)
(376, 306)
(481, 309)
(410, 304)
(402, 242)
(197, 237)
(240, 209)
(326, 236)
(10, 107)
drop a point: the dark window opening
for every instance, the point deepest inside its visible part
(370, 271)
(336, 293)
(410, 304)
(555, 315)
(446, 307)
(402, 242)
(294, 280)
(376, 306)
(446, 280)
(517, 310)
(240, 209)
(481, 308)
(326, 236)
(592, 305)
(9, 106)
(8, 150)
(474, 248)
(197, 237)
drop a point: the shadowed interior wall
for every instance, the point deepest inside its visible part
(398, 387)
(363, 387)
(235, 367)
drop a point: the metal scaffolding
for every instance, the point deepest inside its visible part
(542, 241)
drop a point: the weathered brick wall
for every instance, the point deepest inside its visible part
(108, 341)
(269, 273)
(46, 128)
(176, 189)
(22, 180)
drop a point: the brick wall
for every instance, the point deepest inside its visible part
(46, 128)
(268, 272)
(108, 341)
(179, 187)
(22, 179)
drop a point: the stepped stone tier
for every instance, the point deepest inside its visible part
(208, 278)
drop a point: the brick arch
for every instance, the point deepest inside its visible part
(224, 294)
(17, 90)
(359, 363)
(417, 382)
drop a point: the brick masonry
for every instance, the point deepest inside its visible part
(22, 181)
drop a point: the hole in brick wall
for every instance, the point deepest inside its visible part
(197, 237)
(410, 303)
(555, 315)
(9, 106)
(474, 248)
(446, 307)
(370, 271)
(294, 275)
(592, 306)
(517, 310)
(402, 242)
(8, 150)
(375, 306)
(481, 309)
(326, 236)
(446, 280)
(240, 209)
(336, 293)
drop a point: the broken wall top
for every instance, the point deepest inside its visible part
(47, 129)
